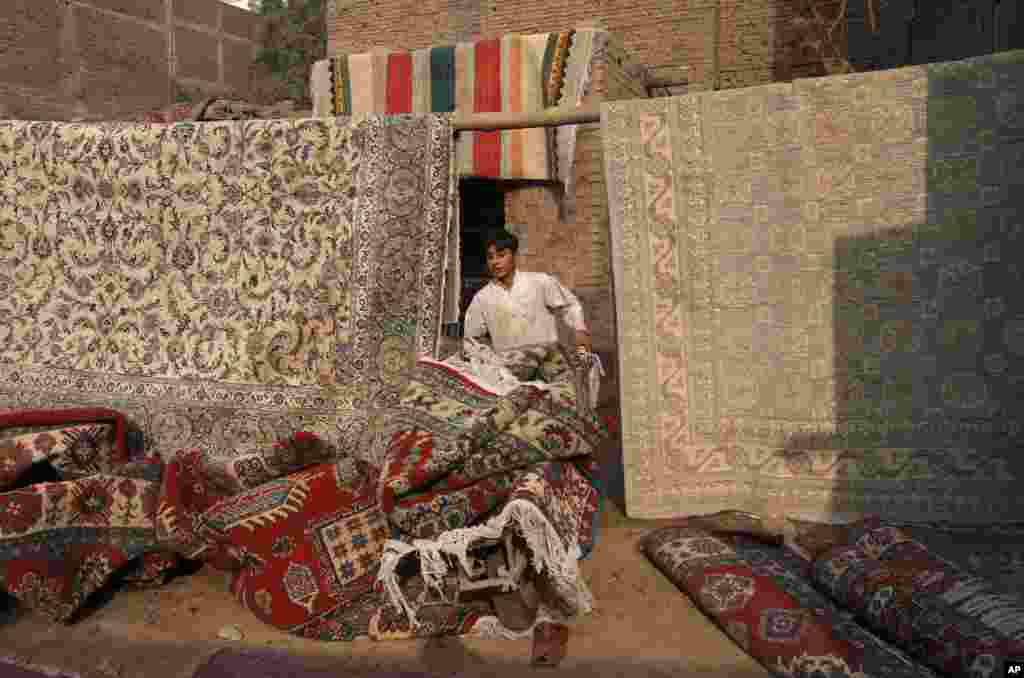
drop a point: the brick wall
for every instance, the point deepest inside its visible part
(676, 38)
(757, 43)
(104, 59)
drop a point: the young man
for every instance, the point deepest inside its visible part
(519, 308)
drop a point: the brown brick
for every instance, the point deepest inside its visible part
(205, 12)
(238, 57)
(197, 54)
(150, 10)
(30, 42)
(244, 24)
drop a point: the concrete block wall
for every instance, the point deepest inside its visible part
(109, 59)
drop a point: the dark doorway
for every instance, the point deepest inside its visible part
(482, 209)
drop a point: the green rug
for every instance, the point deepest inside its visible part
(814, 295)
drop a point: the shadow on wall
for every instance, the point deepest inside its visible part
(927, 319)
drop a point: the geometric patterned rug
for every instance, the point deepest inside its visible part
(814, 295)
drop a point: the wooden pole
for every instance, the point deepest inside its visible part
(552, 117)
(483, 122)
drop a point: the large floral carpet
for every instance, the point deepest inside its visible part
(222, 284)
(814, 295)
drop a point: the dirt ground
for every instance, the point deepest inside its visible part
(641, 626)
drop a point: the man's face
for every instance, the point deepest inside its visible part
(500, 262)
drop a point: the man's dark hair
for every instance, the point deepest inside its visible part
(502, 240)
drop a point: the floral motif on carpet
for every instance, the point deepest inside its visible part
(223, 282)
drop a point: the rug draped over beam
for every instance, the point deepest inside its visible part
(815, 295)
(514, 73)
(223, 284)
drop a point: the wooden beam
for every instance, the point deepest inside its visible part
(482, 122)
(658, 83)
(551, 117)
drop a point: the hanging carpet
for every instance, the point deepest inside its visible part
(511, 74)
(814, 297)
(222, 283)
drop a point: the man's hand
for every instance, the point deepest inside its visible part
(583, 341)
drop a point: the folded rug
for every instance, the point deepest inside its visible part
(303, 548)
(453, 448)
(458, 453)
(63, 540)
(306, 549)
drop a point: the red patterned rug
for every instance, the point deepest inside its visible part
(303, 528)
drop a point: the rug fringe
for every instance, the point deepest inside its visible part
(547, 554)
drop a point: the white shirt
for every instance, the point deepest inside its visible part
(525, 314)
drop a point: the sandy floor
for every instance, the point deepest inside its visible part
(642, 626)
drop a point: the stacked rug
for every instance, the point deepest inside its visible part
(311, 535)
(466, 467)
(222, 284)
(65, 534)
